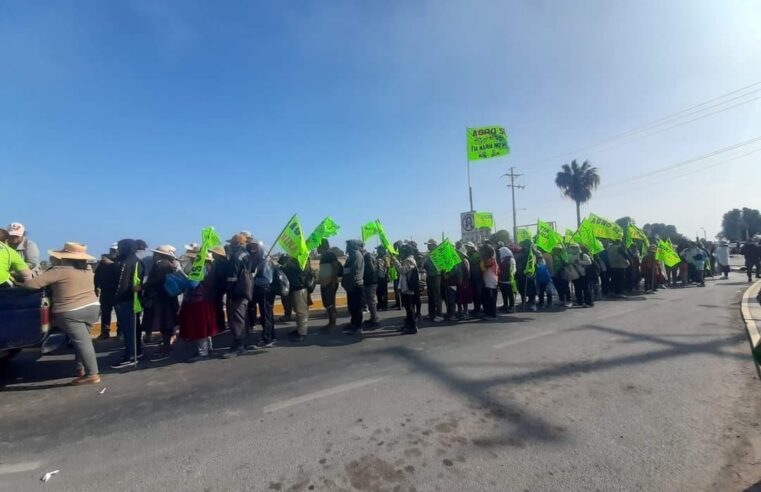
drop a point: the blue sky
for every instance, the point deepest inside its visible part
(154, 119)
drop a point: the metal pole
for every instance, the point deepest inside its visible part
(470, 188)
(512, 187)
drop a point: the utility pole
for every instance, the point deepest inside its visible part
(512, 187)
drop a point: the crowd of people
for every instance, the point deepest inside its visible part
(150, 292)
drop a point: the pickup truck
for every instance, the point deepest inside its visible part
(24, 320)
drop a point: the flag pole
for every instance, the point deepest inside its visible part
(274, 243)
(467, 156)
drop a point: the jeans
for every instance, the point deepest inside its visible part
(263, 300)
(237, 319)
(354, 300)
(508, 296)
(126, 319)
(434, 296)
(449, 294)
(410, 320)
(489, 296)
(617, 277)
(106, 309)
(583, 291)
(382, 294)
(78, 327)
(564, 290)
(371, 299)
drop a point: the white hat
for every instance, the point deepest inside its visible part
(166, 250)
(16, 229)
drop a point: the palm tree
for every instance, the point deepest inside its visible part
(577, 182)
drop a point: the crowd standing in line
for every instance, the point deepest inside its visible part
(241, 284)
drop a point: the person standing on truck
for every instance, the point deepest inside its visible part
(106, 281)
(24, 246)
(75, 305)
(131, 274)
(10, 263)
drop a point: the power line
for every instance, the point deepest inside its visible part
(674, 117)
(688, 161)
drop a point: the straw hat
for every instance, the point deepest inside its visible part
(166, 250)
(71, 251)
(193, 253)
(218, 250)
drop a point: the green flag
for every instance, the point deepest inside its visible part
(530, 269)
(484, 219)
(209, 239)
(137, 306)
(546, 237)
(586, 238)
(486, 142)
(603, 228)
(634, 233)
(444, 256)
(667, 254)
(384, 239)
(292, 241)
(327, 228)
(369, 230)
(568, 237)
(522, 235)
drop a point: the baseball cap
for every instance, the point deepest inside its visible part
(16, 229)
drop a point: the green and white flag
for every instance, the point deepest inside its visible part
(444, 257)
(602, 228)
(486, 142)
(384, 239)
(369, 230)
(547, 237)
(327, 228)
(667, 254)
(209, 239)
(293, 243)
(484, 219)
(522, 235)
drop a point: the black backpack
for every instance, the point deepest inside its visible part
(413, 280)
(280, 285)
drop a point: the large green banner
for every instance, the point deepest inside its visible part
(522, 235)
(444, 256)
(586, 238)
(293, 243)
(327, 228)
(487, 142)
(602, 228)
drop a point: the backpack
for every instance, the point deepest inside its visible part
(381, 271)
(310, 279)
(413, 280)
(244, 286)
(280, 285)
(175, 283)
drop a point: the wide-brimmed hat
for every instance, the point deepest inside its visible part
(192, 253)
(192, 247)
(218, 250)
(432, 242)
(16, 229)
(166, 250)
(71, 251)
(470, 244)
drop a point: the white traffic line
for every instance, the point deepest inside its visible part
(24, 466)
(525, 339)
(341, 388)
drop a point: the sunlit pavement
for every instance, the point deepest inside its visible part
(653, 392)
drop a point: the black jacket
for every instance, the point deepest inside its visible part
(128, 263)
(106, 280)
(296, 276)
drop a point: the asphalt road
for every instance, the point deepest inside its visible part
(652, 392)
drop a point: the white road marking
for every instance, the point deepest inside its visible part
(525, 339)
(341, 388)
(24, 466)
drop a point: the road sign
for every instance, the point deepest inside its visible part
(469, 230)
